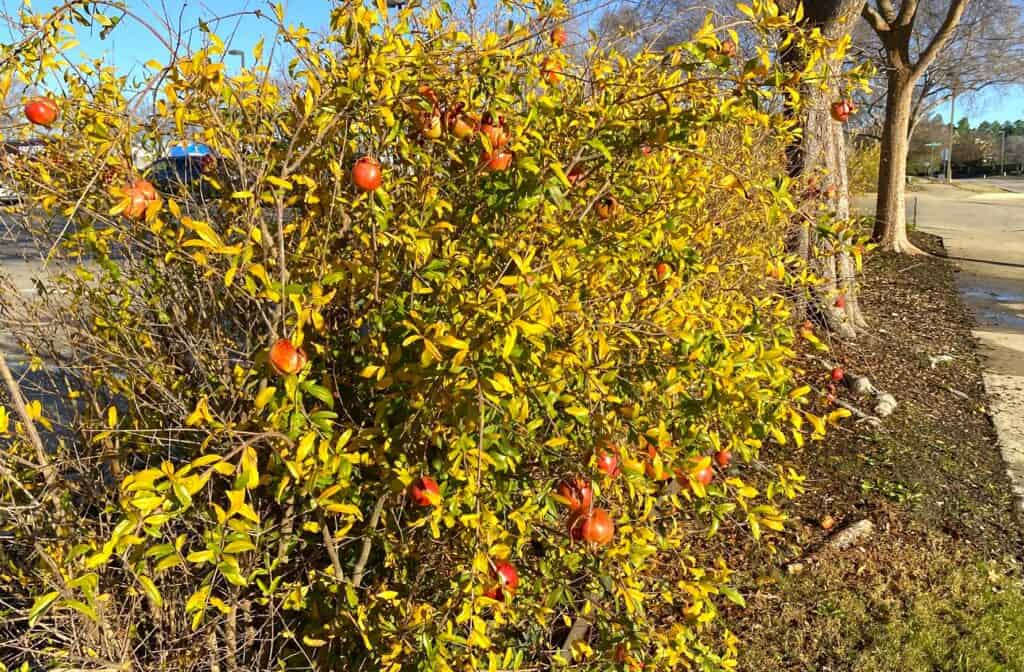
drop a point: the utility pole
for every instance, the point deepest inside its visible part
(931, 158)
(949, 150)
(1002, 155)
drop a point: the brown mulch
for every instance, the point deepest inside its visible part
(931, 477)
(935, 461)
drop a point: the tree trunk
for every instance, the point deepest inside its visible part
(821, 158)
(890, 212)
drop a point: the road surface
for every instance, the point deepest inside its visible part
(984, 235)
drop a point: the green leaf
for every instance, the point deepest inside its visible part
(240, 546)
(320, 392)
(159, 551)
(40, 606)
(732, 595)
(601, 147)
(197, 600)
(151, 590)
(264, 397)
(83, 609)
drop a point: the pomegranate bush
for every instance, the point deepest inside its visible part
(481, 268)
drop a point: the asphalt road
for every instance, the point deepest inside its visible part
(1010, 183)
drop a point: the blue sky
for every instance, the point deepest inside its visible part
(994, 105)
(131, 45)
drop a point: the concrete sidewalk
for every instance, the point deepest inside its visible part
(984, 236)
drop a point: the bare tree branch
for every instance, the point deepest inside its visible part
(956, 10)
(876, 20)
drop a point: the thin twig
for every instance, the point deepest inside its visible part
(332, 548)
(30, 428)
(364, 553)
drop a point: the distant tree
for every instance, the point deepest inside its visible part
(986, 50)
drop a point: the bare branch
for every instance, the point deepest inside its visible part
(908, 10)
(887, 10)
(26, 420)
(876, 20)
(956, 10)
(364, 553)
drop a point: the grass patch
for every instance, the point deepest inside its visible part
(898, 611)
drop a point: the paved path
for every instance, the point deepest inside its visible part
(984, 234)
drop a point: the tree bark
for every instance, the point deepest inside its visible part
(821, 157)
(891, 209)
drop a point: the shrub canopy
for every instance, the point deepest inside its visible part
(613, 290)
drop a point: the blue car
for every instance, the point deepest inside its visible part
(197, 177)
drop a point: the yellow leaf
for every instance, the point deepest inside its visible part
(450, 341)
(264, 397)
(501, 383)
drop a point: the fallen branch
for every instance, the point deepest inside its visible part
(859, 414)
(840, 540)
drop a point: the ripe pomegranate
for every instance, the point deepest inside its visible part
(552, 71)
(497, 162)
(507, 579)
(840, 301)
(608, 463)
(703, 475)
(428, 93)
(421, 489)
(653, 471)
(837, 374)
(595, 528)
(286, 358)
(207, 164)
(662, 270)
(141, 193)
(366, 173)
(559, 37)
(842, 109)
(497, 134)
(577, 493)
(606, 207)
(575, 174)
(723, 458)
(42, 111)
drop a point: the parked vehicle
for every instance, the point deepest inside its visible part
(15, 150)
(197, 177)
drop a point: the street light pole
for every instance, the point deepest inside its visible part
(1002, 155)
(931, 159)
(949, 154)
